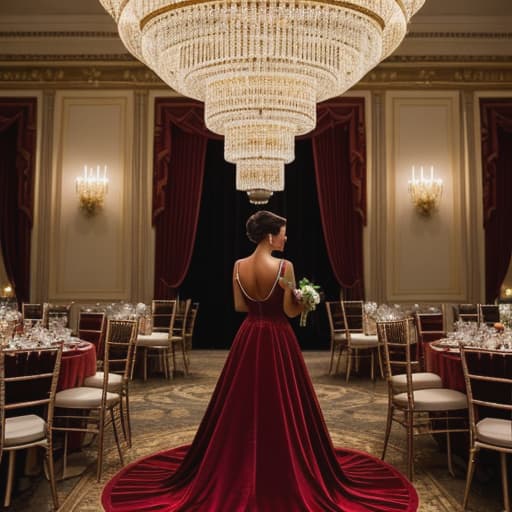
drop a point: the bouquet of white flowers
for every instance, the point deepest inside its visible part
(307, 295)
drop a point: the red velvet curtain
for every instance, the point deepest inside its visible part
(179, 149)
(496, 119)
(17, 164)
(339, 151)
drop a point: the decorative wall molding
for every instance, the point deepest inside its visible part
(417, 72)
(91, 258)
(425, 258)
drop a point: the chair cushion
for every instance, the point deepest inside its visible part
(435, 399)
(156, 339)
(26, 429)
(495, 431)
(83, 398)
(115, 381)
(420, 380)
(360, 340)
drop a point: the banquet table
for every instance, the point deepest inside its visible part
(77, 364)
(446, 363)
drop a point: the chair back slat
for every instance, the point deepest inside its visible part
(488, 379)
(191, 319)
(119, 346)
(56, 311)
(179, 326)
(91, 327)
(353, 315)
(29, 381)
(32, 312)
(465, 312)
(399, 350)
(488, 314)
(335, 316)
(163, 313)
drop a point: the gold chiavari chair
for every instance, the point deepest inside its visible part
(465, 312)
(121, 336)
(178, 336)
(91, 327)
(33, 312)
(338, 339)
(488, 378)
(358, 344)
(189, 331)
(416, 401)
(56, 311)
(159, 341)
(162, 313)
(488, 314)
(91, 410)
(430, 326)
(28, 382)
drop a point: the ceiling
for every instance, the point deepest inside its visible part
(92, 7)
(82, 29)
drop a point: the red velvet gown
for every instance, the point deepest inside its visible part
(262, 445)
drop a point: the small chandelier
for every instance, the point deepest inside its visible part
(260, 66)
(92, 188)
(425, 191)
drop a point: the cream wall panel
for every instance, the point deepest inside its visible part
(91, 255)
(425, 256)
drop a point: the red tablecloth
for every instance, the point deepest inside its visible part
(76, 365)
(447, 365)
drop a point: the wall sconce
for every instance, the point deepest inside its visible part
(7, 291)
(92, 189)
(425, 192)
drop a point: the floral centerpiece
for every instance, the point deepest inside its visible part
(307, 294)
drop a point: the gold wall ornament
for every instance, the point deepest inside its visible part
(92, 188)
(425, 191)
(261, 66)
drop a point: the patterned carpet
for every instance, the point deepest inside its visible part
(166, 413)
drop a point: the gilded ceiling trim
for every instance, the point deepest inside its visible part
(107, 58)
(410, 73)
(459, 35)
(81, 34)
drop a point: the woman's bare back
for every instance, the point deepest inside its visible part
(258, 274)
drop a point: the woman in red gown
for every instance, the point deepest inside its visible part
(262, 445)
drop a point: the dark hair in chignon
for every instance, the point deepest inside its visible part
(263, 223)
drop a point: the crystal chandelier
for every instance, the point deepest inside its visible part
(261, 66)
(92, 188)
(425, 191)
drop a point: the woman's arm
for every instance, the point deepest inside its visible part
(291, 306)
(238, 296)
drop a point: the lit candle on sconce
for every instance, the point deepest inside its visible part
(92, 189)
(425, 192)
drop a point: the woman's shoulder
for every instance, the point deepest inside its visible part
(287, 264)
(241, 260)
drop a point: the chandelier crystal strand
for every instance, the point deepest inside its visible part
(261, 66)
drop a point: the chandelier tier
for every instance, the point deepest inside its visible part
(260, 66)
